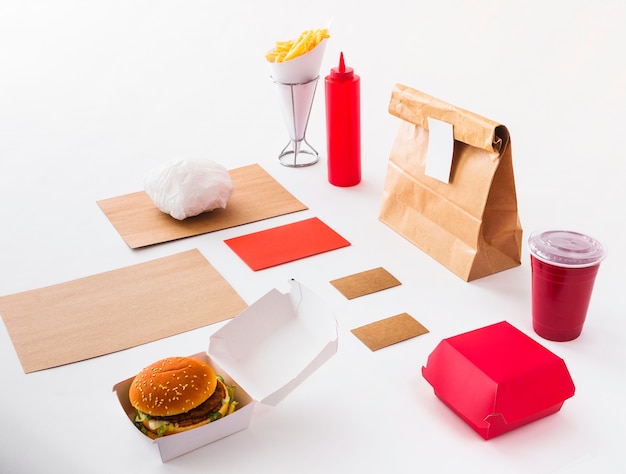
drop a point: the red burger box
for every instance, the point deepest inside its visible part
(265, 352)
(497, 378)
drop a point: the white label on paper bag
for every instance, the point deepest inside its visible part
(440, 150)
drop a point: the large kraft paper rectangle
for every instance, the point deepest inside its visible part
(256, 196)
(116, 310)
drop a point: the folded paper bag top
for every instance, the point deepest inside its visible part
(470, 223)
(265, 352)
(497, 379)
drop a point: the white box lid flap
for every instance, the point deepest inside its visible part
(276, 343)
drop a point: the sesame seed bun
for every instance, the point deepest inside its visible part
(172, 386)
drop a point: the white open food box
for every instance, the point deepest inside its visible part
(265, 352)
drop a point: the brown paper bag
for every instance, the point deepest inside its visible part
(470, 224)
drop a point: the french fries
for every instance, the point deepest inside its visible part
(286, 50)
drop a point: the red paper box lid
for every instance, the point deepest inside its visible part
(497, 378)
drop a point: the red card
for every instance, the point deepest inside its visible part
(286, 243)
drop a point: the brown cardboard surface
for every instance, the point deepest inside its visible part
(364, 283)
(388, 331)
(116, 310)
(256, 196)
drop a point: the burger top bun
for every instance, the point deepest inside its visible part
(172, 386)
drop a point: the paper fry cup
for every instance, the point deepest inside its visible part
(296, 81)
(301, 68)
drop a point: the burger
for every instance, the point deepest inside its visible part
(178, 394)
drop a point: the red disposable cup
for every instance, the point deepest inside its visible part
(564, 266)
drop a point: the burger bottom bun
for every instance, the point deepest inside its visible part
(175, 429)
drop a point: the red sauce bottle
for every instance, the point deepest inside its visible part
(343, 125)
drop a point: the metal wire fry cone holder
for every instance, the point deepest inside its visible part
(297, 106)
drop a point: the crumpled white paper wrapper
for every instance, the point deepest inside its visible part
(185, 188)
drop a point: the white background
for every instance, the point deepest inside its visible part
(94, 94)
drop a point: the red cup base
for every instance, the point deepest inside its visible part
(554, 334)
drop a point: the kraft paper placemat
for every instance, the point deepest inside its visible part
(116, 310)
(365, 283)
(286, 243)
(256, 196)
(389, 331)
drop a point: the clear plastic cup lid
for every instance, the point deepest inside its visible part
(566, 248)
